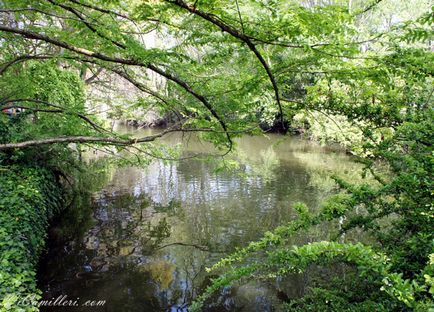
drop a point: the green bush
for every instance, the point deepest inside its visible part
(29, 197)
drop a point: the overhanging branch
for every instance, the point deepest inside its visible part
(132, 62)
(89, 139)
(59, 109)
(240, 36)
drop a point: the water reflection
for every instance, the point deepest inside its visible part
(156, 229)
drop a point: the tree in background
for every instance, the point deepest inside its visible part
(349, 71)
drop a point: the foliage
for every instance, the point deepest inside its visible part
(371, 266)
(33, 181)
(30, 197)
(349, 71)
(401, 198)
(47, 83)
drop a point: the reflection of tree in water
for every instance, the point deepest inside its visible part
(171, 209)
(155, 230)
(126, 226)
(128, 234)
(323, 167)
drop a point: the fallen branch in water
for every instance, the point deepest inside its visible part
(203, 248)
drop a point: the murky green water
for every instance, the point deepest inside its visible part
(154, 230)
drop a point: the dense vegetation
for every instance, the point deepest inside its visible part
(354, 72)
(29, 199)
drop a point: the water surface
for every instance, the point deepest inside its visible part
(155, 229)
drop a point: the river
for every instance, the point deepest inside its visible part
(155, 229)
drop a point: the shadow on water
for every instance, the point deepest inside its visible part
(153, 231)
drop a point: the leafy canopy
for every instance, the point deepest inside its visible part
(355, 72)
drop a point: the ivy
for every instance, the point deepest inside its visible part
(29, 198)
(347, 73)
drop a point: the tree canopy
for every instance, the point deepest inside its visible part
(355, 72)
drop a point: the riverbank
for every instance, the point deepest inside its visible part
(30, 197)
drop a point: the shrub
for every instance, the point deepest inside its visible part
(29, 197)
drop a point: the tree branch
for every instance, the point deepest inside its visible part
(38, 11)
(5, 66)
(105, 140)
(145, 89)
(239, 15)
(96, 8)
(89, 139)
(118, 60)
(235, 33)
(58, 110)
(369, 7)
(94, 76)
(85, 22)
